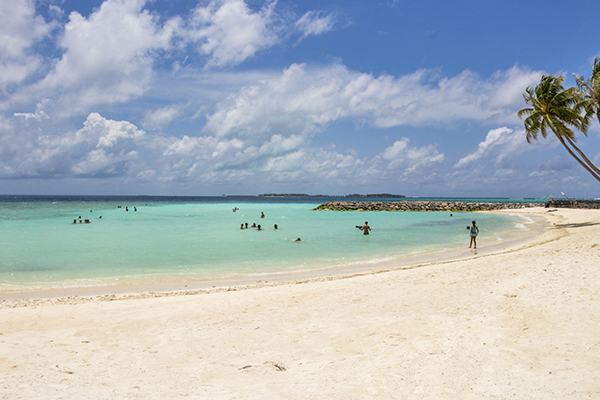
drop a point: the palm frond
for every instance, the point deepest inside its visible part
(560, 110)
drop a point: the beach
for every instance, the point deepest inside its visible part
(518, 322)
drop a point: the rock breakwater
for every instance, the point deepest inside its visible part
(421, 205)
(592, 204)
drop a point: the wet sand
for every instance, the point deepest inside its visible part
(517, 322)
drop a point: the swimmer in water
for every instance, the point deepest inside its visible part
(365, 228)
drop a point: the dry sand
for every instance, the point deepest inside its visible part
(523, 323)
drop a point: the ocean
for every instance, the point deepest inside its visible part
(147, 240)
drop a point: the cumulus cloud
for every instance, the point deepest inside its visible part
(21, 28)
(108, 56)
(102, 147)
(228, 32)
(308, 99)
(39, 113)
(410, 158)
(285, 159)
(499, 143)
(189, 154)
(161, 117)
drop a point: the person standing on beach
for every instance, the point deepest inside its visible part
(365, 228)
(474, 232)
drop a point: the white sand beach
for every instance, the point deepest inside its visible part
(520, 323)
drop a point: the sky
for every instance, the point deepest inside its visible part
(204, 98)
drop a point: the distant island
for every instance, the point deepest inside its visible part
(380, 195)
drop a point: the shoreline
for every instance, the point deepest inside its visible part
(520, 323)
(186, 287)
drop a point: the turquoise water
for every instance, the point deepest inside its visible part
(202, 240)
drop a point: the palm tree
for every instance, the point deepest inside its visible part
(554, 108)
(590, 92)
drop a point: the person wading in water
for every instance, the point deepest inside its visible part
(474, 232)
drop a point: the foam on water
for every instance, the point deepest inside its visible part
(41, 248)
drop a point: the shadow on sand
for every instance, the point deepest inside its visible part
(577, 225)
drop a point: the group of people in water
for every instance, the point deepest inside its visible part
(259, 227)
(87, 221)
(127, 208)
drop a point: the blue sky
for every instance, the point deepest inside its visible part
(257, 96)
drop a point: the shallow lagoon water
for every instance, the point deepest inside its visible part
(201, 239)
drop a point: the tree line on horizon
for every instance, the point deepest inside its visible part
(559, 110)
(328, 195)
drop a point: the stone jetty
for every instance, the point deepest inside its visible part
(592, 204)
(422, 205)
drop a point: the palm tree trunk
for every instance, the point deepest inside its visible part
(589, 163)
(584, 165)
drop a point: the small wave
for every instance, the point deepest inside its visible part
(519, 225)
(526, 220)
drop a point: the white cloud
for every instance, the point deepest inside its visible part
(283, 159)
(19, 31)
(108, 56)
(500, 143)
(395, 150)
(161, 117)
(304, 99)
(410, 159)
(314, 23)
(101, 148)
(228, 32)
(203, 154)
(39, 113)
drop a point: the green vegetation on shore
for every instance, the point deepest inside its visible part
(380, 195)
(558, 109)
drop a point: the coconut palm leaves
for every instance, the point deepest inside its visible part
(590, 92)
(556, 109)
